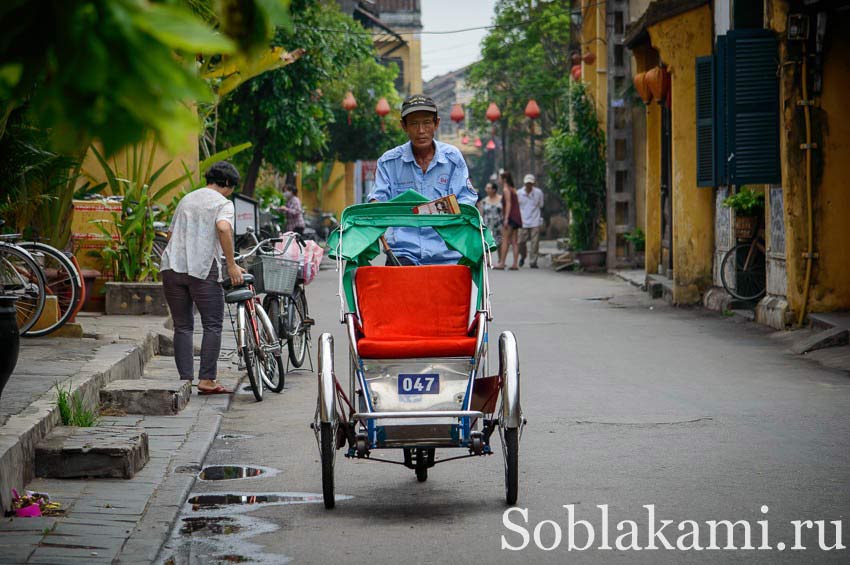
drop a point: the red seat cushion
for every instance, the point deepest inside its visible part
(414, 311)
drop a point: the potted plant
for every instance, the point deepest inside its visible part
(749, 209)
(638, 240)
(575, 159)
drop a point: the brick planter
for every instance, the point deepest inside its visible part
(134, 299)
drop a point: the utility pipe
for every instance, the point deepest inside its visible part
(809, 255)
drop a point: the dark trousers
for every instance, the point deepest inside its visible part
(181, 292)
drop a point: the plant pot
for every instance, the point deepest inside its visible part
(591, 260)
(135, 299)
(745, 226)
(9, 339)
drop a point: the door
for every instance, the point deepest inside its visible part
(666, 266)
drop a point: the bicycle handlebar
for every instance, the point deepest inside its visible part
(253, 251)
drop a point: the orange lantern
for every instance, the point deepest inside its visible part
(532, 110)
(493, 112)
(349, 104)
(642, 88)
(457, 114)
(658, 82)
(589, 58)
(382, 108)
(575, 72)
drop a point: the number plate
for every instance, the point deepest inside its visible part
(419, 384)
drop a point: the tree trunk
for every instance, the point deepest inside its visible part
(253, 169)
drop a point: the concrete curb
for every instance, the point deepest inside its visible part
(153, 531)
(23, 431)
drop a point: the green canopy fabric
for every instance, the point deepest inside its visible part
(362, 226)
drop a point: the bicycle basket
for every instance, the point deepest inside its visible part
(274, 274)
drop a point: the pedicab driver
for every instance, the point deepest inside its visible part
(431, 168)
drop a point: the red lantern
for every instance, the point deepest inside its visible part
(493, 112)
(477, 142)
(532, 110)
(457, 114)
(589, 58)
(491, 145)
(464, 140)
(576, 72)
(349, 103)
(382, 108)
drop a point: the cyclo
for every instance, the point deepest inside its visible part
(418, 338)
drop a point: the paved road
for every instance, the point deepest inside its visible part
(630, 403)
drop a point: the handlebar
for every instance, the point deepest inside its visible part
(242, 256)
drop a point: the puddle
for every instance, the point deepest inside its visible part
(215, 501)
(229, 472)
(228, 437)
(212, 525)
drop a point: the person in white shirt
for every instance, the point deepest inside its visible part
(201, 231)
(530, 205)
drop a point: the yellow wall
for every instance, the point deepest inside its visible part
(336, 200)
(830, 284)
(411, 56)
(119, 163)
(595, 75)
(679, 40)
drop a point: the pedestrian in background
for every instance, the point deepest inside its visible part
(511, 223)
(201, 231)
(293, 210)
(491, 211)
(530, 205)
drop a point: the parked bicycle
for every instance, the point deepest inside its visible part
(286, 304)
(52, 278)
(257, 343)
(742, 270)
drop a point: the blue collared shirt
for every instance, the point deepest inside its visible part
(447, 174)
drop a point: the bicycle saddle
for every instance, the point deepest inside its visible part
(238, 295)
(247, 278)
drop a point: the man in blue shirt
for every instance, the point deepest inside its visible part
(432, 169)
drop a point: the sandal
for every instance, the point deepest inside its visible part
(514, 269)
(219, 389)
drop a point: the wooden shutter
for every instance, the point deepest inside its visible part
(721, 131)
(705, 121)
(752, 107)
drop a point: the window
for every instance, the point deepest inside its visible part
(737, 107)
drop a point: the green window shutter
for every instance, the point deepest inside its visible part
(705, 120)
(721, 142)
(752, 107)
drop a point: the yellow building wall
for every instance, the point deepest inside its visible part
(595, 75)
(679, 40)
(122, 161)
(411, 57)
(337, 199)
(830, 281)
(647, 155)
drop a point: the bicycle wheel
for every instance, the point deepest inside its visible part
(21, 277)
(298, 336)
(511, 451)
(273, 373)
(251, 356)
(747, 282)
(62, 281)
(271, 303)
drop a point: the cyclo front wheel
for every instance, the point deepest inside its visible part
(327, 440)
(511, 439)
(298, 336)
(251, 356)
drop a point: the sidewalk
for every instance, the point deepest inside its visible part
(105, 520)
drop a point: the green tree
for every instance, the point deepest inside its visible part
(286, 113)
(115, 70)
(527, 55)
(575, 158)
(364, 138)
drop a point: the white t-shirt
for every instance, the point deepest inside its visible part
(530, 206)
(194, 241)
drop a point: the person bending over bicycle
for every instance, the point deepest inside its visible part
(201, 231)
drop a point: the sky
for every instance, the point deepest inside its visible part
(444, 53)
